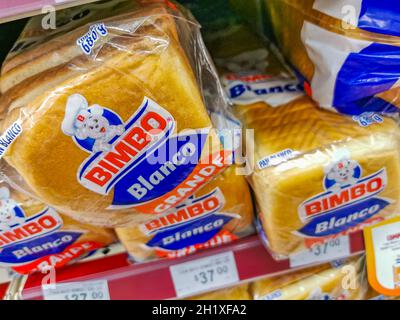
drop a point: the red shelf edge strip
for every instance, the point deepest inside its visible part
(153, 280)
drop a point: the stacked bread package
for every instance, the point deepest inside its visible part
(35, 237)
(347, 52)
(105, 116)
(106, 120)
(219, 213)
(316, 174)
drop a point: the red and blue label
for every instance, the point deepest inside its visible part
(31, 238)
(349, 200)
(142, 162)
(196, 224)
(30, 244)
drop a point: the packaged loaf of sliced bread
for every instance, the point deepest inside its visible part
(35, 237)
(105, 117)
(317, 175)
(346, 52)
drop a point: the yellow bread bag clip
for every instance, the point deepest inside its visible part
(219, 213)
(346, 52)
(316, 174)
(107, 121)
(340, 280)
(35, 237)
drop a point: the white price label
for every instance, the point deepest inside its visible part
(383, 258)
(204, 274)
(330, 250)
(87, 290)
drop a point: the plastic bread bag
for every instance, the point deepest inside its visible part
(35, 237)
(347, 53)
(240, 292)
(339, 280)
(316, 174)
(107, 122)
(219, 213)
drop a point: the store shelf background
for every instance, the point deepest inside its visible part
(128, 281)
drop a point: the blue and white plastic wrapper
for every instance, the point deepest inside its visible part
(346, 52)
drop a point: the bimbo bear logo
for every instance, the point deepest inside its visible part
(348, 201)
(10, 213)
(146, 165)
(93, 127)
(341, 173)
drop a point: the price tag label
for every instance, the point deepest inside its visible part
(87, 290)
(204, 274)
(330, 250)
(382, 246)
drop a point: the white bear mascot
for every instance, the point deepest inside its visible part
(341, 172)
(83, 123)
(8, 217)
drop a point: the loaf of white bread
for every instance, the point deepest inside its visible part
(311, 168)
(316, 174)
(84, 104)
(347, 53)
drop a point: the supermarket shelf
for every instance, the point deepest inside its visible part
(17, 9)
(127, 281)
